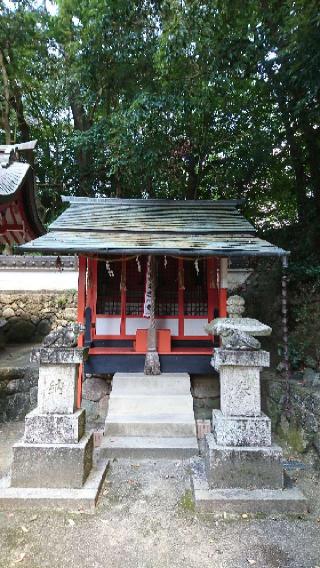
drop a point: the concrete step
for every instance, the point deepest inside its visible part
(161, 404)
(148, 448)
(150, 416)
(139, 384)
(164, 425)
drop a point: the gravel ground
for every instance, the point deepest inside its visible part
(145, 519)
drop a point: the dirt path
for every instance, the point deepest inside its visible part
(145, 520)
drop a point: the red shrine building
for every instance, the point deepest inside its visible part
(19, 219)
(191, 243)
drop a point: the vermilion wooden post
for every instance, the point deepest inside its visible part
(81, 308)
(223, 276)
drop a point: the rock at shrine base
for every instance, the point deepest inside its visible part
(243, 467)
(54, 428)
(240, 430)
(52, 465)
(289, 500)
(83, 499)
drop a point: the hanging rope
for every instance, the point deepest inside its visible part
(284, 304)
(152, 362)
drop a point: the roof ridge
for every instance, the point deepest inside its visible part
(150, 202)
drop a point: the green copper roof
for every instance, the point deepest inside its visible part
(137, 226)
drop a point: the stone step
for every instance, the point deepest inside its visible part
(137, 447)
(162, 404)
(139, 384)
(164, 425)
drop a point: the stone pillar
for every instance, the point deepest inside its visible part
(239, 452)
(55, 451)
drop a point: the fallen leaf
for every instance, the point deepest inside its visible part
(24, 529)
(20, 558)
(34, 518)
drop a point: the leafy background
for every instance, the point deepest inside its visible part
(173, 98)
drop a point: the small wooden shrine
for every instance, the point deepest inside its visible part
(160, 264)
(19, 219)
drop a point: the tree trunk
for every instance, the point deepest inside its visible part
(23, 126)
(313, 147)
(5, 114)
(192, 186)
(83, 156)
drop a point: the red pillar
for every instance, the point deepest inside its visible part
(81, 307)
(223, 278)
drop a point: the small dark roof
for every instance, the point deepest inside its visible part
(17, 185)
(109, 226)
(11, 178)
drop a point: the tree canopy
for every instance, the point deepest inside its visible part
(168, 98)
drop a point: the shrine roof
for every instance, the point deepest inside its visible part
(11, 178)
(20, 220)
(108, 226)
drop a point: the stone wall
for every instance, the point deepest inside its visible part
(205, 390)
(31, 315)
(297, 423)
(18, 392)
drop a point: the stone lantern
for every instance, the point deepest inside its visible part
(242, 470)
(53, 465)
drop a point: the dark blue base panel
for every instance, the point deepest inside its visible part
(103, 364)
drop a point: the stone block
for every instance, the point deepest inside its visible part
(243, 467)
(203, 427)
(240, 501)
(54, 428)
(57, 389)
(240, 430)
(205, 386)
(240, 391)
(58, 355)
(240, 358)
(94, 388)
(52, 465)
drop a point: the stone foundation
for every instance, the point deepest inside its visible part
(52, 465)
(31, 315)
(95, 396)
(18, 392)
(205, 390)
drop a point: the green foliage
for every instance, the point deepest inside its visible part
(169, 99)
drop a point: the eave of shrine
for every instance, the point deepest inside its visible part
(107, 227)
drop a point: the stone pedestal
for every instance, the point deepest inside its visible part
(239, 452)
(55, 453)
(241, 465)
